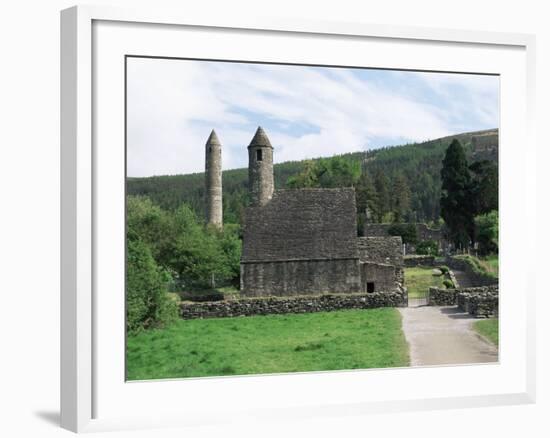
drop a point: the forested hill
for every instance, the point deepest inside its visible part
(416, 165)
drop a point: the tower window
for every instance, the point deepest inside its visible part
(370, 287)
(259, 155)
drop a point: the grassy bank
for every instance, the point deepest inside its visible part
(490, 265)
(488, 328)
(487, 266)
(349, 339)
(419, 279)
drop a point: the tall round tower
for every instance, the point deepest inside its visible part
(213, 175)
(260, 168)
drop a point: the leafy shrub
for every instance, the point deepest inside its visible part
(487, 232)
(148, 304)
(448, 284)
(406, 231)
(444, 269)
(427, 247)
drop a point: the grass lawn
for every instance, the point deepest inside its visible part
(488, 328)
(419, 279)
(347, 339)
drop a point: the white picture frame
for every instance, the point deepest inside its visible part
(85, 380)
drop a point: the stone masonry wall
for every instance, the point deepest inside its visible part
(478, 301)
(422, 230)
(387, 250)
(384, 277)
(303, 304)
(300, 277)
(412, 261)
(441, 297)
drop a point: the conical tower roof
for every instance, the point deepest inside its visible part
(213, 139)
(260, 139)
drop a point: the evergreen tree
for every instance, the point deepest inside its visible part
(456, 197)
(401, 198)
(382, 184)
(484, 186)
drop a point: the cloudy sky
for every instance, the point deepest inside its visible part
(306, 111)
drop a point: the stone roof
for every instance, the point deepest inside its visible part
(383, 250)
(260, 139)
(213, 139)
(302, 224)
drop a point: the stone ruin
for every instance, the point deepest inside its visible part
(299, 242)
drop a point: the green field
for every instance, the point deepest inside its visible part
(348, 339)
(419, 279)
(488, 328)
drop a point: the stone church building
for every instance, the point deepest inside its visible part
(302, 241)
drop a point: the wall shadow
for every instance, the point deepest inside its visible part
(51, 417)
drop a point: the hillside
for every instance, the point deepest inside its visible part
(418, 163)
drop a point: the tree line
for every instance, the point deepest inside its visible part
(397, 183)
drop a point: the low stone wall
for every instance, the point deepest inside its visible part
(477, 278)
(441, 297)
(299, 304)
(411, 261)
(479, 301)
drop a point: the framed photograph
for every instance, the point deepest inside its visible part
(278, 219)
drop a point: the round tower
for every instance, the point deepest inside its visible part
(260, 168)
(213, 175)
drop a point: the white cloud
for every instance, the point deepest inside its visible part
(307, 112)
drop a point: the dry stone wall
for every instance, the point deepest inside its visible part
(301, 304)
(441, 297)
(477, 301)
(412, 261)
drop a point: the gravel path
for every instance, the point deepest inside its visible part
(444, 336)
